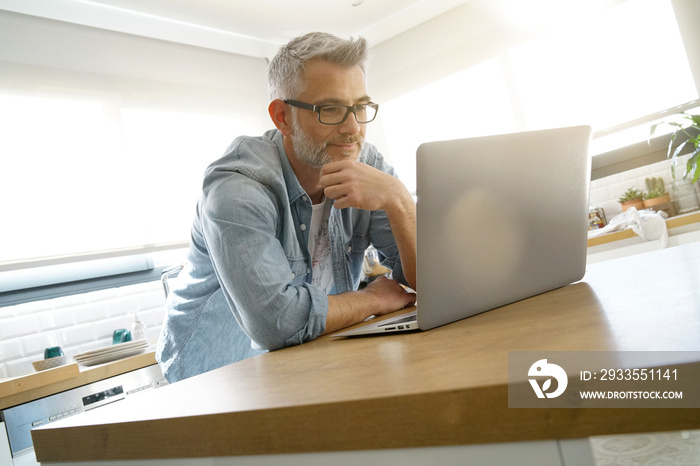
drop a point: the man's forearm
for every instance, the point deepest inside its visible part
(402, 219)
(381, 296)
(348, 309)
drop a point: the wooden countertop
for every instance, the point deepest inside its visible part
(671, 223)
(446, 386)
(20, 390)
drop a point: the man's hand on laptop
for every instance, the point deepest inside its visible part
(382, 296)
(392, 294)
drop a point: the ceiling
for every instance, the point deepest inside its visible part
(249, 27)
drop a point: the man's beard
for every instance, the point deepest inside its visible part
(315, 154)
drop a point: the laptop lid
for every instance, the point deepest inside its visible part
(499, 219)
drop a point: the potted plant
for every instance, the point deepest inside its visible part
(631, 198)
(657, 198)
(689, 129)
(656, 192)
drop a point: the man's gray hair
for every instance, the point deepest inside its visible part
(284, 76)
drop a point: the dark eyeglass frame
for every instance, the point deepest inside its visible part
(348, 109)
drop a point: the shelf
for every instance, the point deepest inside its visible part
(671, 223)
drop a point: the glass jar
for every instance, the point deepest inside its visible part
(685, 197)
(596, 218)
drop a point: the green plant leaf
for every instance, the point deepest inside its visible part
(679, 148)
(656, 126)
(689, 130)
(691, 168)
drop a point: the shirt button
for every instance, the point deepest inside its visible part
(303, 227)
(308, 270)
(349, 248)
(294, 275)
(304, 198)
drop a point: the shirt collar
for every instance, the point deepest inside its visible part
(294, 189)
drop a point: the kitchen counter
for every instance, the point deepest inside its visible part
(443, 387)
(49, 382)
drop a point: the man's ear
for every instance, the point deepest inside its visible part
(280, 114)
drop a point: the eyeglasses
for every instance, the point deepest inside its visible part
(337, 114)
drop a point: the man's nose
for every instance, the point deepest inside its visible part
(350, 125)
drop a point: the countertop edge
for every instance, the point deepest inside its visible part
(457, 417)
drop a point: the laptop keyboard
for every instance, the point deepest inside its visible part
(401, 320)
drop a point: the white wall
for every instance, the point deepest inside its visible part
(478, 31)
(457, 40)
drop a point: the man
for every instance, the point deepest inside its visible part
(284, 220)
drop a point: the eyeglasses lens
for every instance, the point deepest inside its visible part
(333, 115)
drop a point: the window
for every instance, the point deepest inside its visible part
(104, 140)
(56, 154)
(608, 68)
(467, 104)
(621, 65)
(171, 151)
(83, 177)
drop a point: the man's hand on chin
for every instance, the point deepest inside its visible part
(355, 184)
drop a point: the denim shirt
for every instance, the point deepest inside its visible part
(246, 287)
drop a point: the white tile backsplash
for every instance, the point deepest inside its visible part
(77, 323)
(11, 349)
(15, 327)
(606, 191)
(35, 344)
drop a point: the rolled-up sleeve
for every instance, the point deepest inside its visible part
(259, 264)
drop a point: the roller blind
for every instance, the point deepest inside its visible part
(104, 138)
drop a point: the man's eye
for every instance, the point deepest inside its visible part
(332, 110)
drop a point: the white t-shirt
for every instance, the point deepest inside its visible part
(320, 247)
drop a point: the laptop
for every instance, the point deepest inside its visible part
(499, 219)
